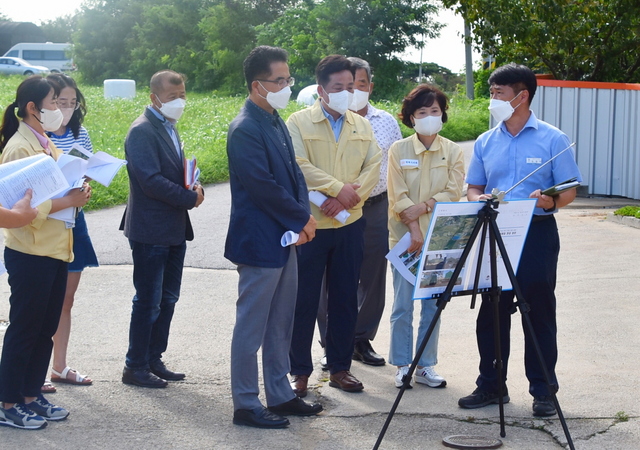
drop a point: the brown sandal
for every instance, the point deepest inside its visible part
(48, 387)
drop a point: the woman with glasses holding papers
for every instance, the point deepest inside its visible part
(71, 132)
(36, 256)
(424, 168)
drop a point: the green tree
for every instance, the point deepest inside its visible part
(60, 29)
(374, 30)
(594, 40)
(229, 32)
(100, 47)
(165, 37)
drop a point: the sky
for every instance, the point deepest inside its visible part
(447, 51)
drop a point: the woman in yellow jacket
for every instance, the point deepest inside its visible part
(424, 168)
(36, 256)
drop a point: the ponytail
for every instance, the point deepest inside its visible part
(10, 124)
(33, 89)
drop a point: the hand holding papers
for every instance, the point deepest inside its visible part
(318, 198)
(40, 173)
(191, 173)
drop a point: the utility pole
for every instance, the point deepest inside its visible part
(468, 60)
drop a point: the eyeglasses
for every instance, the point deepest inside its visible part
(281, 82)
(64, 104)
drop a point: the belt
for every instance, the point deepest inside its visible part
(540, 218)
(375, 199)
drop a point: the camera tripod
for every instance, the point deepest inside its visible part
(488, 225)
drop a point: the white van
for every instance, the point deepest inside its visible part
(57, 57)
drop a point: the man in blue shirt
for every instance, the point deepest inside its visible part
(502, 156)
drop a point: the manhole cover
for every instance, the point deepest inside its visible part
(462, 441)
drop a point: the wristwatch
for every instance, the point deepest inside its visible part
(429, 208)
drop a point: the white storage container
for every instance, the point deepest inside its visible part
(119, 89)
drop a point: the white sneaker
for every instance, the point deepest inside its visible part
(427, 375)
(402, 371)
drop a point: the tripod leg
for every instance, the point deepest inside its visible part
(524, 308)
(495, 300)
(442, 302)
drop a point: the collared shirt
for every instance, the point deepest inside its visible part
(336, 124)
(43, 236)
(273, 120)
(500, 160)
(42, 139)
(170, 127)
(387, 131)
(417, 174)
(327, 165)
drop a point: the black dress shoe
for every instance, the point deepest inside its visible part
(259, 418)
(296, 407)
(364, 352)
(159, 369)
(142, 378)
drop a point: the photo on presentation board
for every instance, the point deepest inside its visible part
(449, 233)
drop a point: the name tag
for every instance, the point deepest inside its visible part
(534, 160)
(408, 163)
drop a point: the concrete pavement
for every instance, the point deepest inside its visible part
(598, 369)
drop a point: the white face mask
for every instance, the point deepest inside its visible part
(277, 100)
(339, 101)
(360, 100)
(501, 110)
(67, 114)
(428, 126)
(51, 119)
(173, 109)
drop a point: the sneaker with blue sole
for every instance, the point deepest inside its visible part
(49, 411)
(19, 416)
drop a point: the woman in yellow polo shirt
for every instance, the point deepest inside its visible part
(36, 256)
(424, 168)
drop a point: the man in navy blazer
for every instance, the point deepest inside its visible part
(268, 198)
(157, 225)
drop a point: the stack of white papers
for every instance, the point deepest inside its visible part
(39, 173)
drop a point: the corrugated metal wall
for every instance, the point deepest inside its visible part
(603, 119)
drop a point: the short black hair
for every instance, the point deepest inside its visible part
(258, 63)
(330, 65)
(422, 95)
(517, 76)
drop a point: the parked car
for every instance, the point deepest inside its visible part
(12, 66)
(57, 57)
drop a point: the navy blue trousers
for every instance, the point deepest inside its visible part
(157, 277)
(38, 284)
(536, 276)
(338, 251)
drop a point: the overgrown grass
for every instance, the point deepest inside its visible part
(203, 129)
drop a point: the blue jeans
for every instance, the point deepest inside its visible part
(157, 275)
(401, 349)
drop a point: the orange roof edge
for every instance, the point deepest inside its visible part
(589, 84)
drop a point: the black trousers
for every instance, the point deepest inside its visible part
(338, 251)
(536, 276)
(38, 285)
